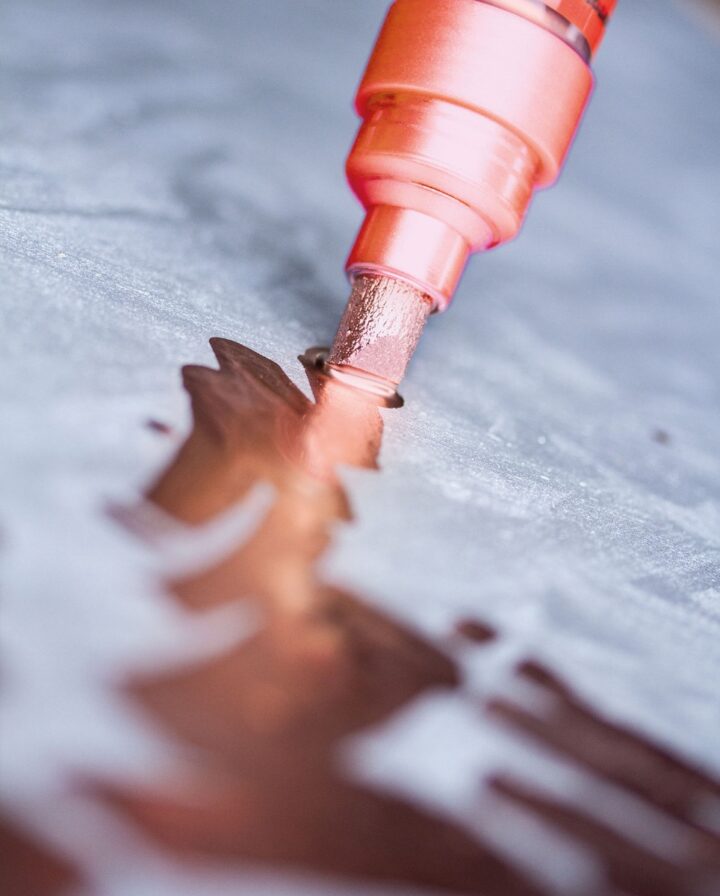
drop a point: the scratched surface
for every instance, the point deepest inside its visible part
(172, 171)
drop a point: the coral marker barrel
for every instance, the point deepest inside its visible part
(468, 107)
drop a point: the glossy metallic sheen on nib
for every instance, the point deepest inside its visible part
(381, 327)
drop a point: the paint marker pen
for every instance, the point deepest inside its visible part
(467, 107)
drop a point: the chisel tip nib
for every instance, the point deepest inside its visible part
(380, 328)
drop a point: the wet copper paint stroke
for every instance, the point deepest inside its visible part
(572, 728)
(30, 869)
(630, 868)
(269, 714)
(567, 725)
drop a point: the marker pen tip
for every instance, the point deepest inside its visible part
(380, 328)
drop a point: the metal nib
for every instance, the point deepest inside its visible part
(380, 328)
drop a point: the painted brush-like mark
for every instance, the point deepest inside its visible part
(562, 723)
(269, 714)
(31, 869)
(266, 717)
(571, 727)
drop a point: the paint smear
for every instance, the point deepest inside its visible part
(267, 717)
(29, 868)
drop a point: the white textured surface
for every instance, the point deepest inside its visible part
(173, 171)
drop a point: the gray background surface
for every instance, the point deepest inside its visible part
(172, 171)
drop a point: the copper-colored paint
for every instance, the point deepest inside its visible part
(29, 868)
(270, 713)
(266, 717)
(612, 751)
(630, 868)
(252, 424)
(159, 427)
(476, 631)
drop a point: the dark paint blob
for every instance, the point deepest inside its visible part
(661, 437)
(158, 426)
(476, 631)
(30, 869)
